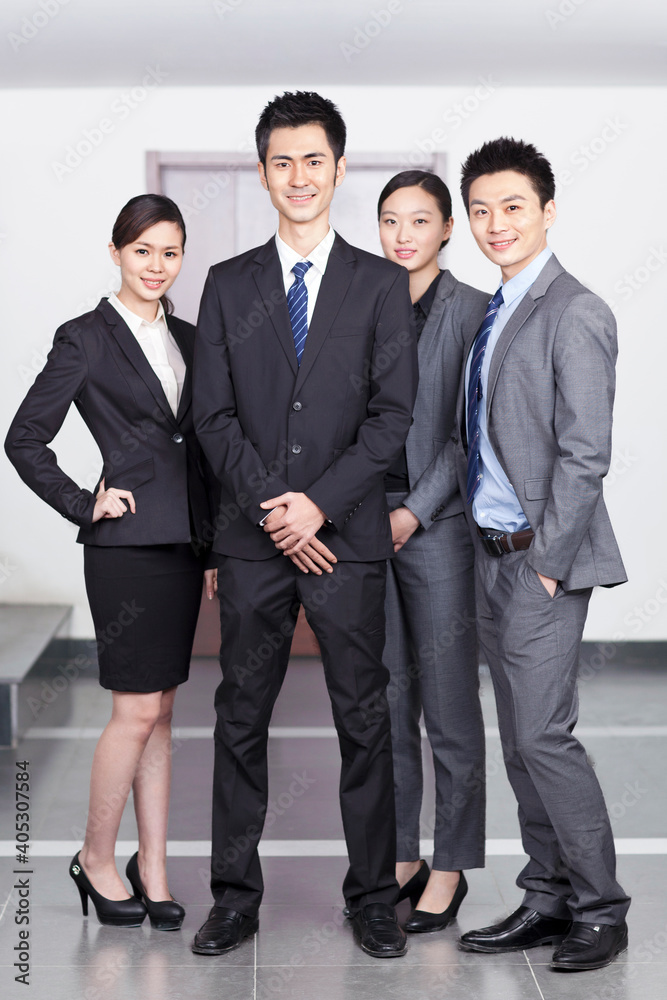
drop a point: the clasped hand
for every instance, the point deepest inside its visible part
(292, 525)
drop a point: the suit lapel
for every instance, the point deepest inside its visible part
(268, 277)
(514, 324)
(446, 286)
(522, 312)
(130, 347)
(185, 347)
(333, 289)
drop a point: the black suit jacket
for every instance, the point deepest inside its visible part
(329, 427)
(97, 363)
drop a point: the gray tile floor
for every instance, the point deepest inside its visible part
(305, 948)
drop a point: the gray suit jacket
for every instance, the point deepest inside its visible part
(453, 320)
(549, 408)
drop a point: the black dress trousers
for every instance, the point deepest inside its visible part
(259, 603)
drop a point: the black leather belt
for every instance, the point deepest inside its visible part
(497, 543)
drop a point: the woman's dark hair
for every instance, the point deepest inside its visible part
(509, 154)
(140, 214)
(431, 183)
(304, 107)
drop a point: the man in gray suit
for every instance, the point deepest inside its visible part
(530, 449)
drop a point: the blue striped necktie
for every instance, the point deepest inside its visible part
(475, 393)
(297, 303)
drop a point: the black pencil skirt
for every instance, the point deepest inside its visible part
(144, 602)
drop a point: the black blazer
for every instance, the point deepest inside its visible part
(97, 363)
(330, 427)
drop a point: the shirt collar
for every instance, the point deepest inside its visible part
(318, 257)
(133, 321)
(426, 301)
(522, 281)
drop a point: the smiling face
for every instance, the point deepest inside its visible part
(148, 267)
(301, 174)
(412, 228)
(507, 220)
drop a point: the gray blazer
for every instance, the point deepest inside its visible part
(549, 408)
(454, 318)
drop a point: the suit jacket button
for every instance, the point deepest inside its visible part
(297, 405)
(177, 438)
(296, 449)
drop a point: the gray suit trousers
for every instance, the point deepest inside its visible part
(531, 642)
(431, 654)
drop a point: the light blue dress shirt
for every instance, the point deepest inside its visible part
(496, 505)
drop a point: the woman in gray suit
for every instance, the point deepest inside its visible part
(431, 647)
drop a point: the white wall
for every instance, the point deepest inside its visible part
(608, 145)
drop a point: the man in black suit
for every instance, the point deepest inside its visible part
(305, 378)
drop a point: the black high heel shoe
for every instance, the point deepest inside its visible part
(117, 912)
(166, 915)
(415, 886)
(423, 922)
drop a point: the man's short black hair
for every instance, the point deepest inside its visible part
(303, 107)
(509, 154)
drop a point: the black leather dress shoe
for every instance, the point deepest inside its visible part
(525, 928)
(590, 946)
(377, 932)
(224, 930)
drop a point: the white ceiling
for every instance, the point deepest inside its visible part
(65, 43)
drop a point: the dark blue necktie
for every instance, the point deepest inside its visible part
(475, 393)
(297, 303)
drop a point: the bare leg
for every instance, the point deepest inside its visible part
(439, 890)
(117, 756)
(151, 802)
(405, 870)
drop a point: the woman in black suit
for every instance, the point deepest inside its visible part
(126, 367)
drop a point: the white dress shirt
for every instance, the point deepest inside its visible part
(313, 277)
(161, 350)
